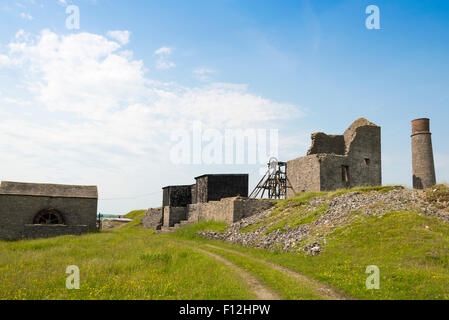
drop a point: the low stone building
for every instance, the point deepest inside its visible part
(339, 161)
(214, 197)
(227, 210)
(29, 210)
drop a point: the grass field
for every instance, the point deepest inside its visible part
(124, 264)
(411, 251)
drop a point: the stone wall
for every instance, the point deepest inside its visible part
(193, 193)
(153, 219)
(227, 210)
(217, 211)
(244, 208)
(331, 173)
(304, 174)
(359, 165)
(32, 231)
(365, 157)
(202, 190)
(16, 211)
(173, 215)
(323, 143)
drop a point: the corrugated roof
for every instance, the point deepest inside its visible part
(48, 190)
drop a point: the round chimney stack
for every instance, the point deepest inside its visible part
(422, 155)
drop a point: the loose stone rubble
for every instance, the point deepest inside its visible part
(340, 211)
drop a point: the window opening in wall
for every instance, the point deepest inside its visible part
(48, 216)
(367, 161)
(345, 174)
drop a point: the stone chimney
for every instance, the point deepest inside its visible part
(422, 155)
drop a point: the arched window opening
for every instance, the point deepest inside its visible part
(48, 216)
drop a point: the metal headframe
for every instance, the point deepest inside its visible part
(275, 182)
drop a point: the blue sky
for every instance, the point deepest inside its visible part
(89, 106)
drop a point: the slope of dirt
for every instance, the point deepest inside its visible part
(304, 222)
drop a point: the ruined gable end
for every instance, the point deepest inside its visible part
(334, 162)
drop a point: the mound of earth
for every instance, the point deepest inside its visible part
(303, 224)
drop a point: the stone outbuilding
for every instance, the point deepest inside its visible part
(339, 161)
(214, 197)
(29, 210)
(214, 187)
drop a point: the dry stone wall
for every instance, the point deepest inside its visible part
(227, 210)
(48, 231)
(153, 219)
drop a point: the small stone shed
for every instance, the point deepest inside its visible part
(219, 197)
(30, 210)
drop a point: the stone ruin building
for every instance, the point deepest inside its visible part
(29, 210)
(214, 197)
(333, 162)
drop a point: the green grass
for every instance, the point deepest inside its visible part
(135, 214)
(300, 217)
(123, 264)
(439, 196)
(287, 287)
(292, 212)
(413, 260)
(412, 252)
(189, 231)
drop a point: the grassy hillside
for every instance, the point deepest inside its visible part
(410, 249)
(127, 263)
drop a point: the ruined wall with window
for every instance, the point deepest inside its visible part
(29, 210)
(339, 161)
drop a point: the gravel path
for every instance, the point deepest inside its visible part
(262, 291)
(322, 289)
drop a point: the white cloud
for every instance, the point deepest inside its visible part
(163, 53)
(203, 74)
(96, 117)
(4, 60)
(26, 16)
(121, 36)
